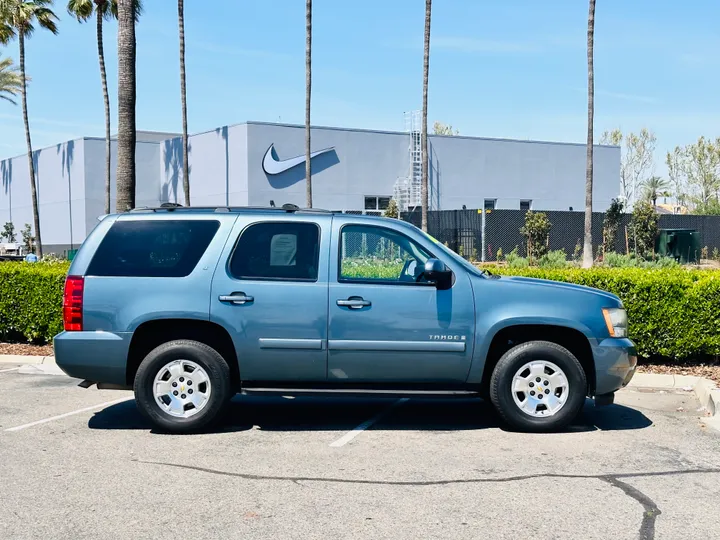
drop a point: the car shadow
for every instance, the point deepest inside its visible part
(344, 414)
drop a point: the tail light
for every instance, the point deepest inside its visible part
(73, 303)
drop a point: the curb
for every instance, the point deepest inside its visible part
(706, 391)
(22, 359)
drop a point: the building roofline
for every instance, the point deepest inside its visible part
(387, 132)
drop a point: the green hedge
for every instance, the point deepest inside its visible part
(31, 300)
(673, 313)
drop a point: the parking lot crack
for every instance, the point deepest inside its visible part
(650, 509)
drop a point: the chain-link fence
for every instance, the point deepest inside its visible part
(477, 235)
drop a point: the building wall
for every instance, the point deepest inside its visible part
(218, 168)
(60, 176)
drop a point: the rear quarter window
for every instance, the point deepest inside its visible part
(152, 248)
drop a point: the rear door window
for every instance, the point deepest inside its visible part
(277, 251)
(153, 248)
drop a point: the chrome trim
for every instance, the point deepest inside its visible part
(282, 343)
(404, 346)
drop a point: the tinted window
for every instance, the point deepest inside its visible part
(377, 254)
(277, 251)
(152, 248)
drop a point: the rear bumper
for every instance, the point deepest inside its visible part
(615, 363)
(96, 356)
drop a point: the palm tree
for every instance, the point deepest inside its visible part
(82, 10)
(423, 133)
(587, 246)
(125, 176)
(308, 90)
(10, 80)
(655, 187)
(183, 100)
(18, 19)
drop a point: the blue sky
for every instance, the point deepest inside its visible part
(498, 68)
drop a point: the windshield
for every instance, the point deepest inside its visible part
(457, 258)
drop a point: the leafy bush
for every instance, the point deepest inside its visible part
(553, 259)
(536, 230)
(620, 260)
(516, 261)
(643, 229)
(611, 223)
(31, 300)
(673, 313)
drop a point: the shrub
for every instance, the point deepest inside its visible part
(31, 300)
(536, 230)
(610, 225)
(673, 313)
(553, 259)
(643, 229)
(620, 260)
(516, 261)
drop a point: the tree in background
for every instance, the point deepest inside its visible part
(536, 231)
(308, 91)
(183, 101)
(653, 188)
(695, 172)
(18, 19)
(637, 159)
(424, 199)
(10, 80)
(104, 10)
(444, 129)
(587, 244)
(28, 238)
(673, 160)
(611, 222)
(643, 229)
(125, 176)
(392, 210)
(8, 232)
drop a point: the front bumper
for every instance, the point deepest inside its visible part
(615, 363)
(97, 356)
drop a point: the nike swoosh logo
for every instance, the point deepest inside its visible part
(272, 166)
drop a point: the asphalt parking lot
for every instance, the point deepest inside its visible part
(78, 463)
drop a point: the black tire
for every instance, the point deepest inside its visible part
(501, 393)
(218, 375)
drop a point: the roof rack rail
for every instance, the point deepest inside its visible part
(174, 207)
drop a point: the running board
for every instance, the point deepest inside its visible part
(357, 392)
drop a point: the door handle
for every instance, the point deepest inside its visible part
(354, 302)
(236, 298)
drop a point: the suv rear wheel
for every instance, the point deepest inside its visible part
(538, 386)
(182, 386)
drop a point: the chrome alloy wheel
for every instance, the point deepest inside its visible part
(540, 388)
(182, 388)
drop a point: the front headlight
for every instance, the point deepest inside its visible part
(616, 321)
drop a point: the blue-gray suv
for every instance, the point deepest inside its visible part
(189, 306)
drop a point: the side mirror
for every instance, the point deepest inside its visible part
(438, 273)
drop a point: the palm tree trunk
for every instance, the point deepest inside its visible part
(308, 90)
(423, 135)
(587, 247)
(31, 164)
(125, 176)
(183, 99)
(106, 101)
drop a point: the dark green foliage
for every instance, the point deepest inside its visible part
(643, 229)
(610, 225)
(673, 312)
(31, 300)
(536, 230)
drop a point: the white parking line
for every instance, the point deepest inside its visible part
(350, 435)
(11, 369)
(59, 416)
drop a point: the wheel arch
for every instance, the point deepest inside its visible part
(153, 333)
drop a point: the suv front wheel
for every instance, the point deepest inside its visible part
(538, 386)
(182, 386)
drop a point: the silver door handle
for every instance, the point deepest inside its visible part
(354, 303)
(238, 298)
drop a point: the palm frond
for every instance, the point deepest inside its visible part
(82, 10)
(10, 80)
(18, 16)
